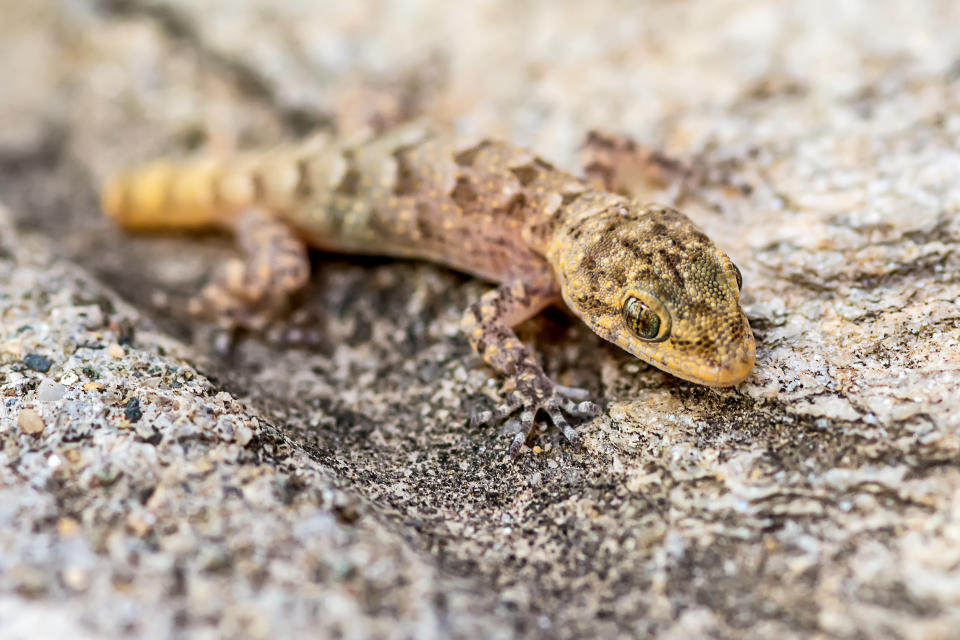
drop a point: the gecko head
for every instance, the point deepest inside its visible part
(647, 279)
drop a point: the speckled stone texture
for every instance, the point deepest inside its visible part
(320, 480)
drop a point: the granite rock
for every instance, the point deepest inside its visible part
(321, 479)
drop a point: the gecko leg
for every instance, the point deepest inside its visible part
(249, 292)
(620, 164)
(487, 325)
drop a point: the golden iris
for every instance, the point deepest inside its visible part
(644, 321)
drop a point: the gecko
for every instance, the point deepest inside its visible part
(641, 276)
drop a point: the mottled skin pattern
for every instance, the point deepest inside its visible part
(643, 277)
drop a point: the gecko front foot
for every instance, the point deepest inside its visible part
(486, 323)
(536, 391)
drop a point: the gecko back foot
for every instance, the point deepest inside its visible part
(618, 163)
(250, 292)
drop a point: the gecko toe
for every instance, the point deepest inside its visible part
(516, 446)
(480, 419)
(573, 437)
(553, 410)
(585, 409)
(526, 426)
(535, 392)
(573, 393)
(514, 402)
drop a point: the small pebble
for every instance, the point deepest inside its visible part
(50, 391)
(67, 527)
(243, 435)
(138, 524)
(30, 421)
(38, 362)
(132, 410)
(76, 578)
(115, 350)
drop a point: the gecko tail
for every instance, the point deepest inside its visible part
(165, 196)
(191, 195)
(206, 193)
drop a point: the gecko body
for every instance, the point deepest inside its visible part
(641, 276)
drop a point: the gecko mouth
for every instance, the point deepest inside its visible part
(734, 368)
(725, 375)
(731, 364)
(728, 374)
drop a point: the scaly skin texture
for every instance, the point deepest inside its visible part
(641, 276)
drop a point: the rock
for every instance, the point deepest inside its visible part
(38, 362)
(332, 487)
(132, 409)
(50, 391)
(29, 421)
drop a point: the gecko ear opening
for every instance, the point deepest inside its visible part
(646, 317)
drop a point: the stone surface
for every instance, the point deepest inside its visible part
(321, 480)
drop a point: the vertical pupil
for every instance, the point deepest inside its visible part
(648, 323)
(643, 321)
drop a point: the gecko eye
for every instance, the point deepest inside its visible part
(736, 272)
(646, 318)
